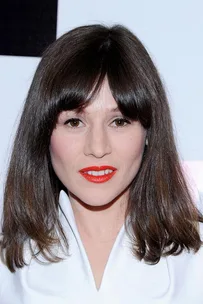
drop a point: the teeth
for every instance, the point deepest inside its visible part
(107, 171)
(99, 173)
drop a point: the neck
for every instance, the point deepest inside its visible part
(99, 223)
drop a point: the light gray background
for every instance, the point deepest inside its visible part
(172, 31)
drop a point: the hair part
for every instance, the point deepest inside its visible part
(163, 217)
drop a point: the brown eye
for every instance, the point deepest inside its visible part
(73, 122)
(121, 122)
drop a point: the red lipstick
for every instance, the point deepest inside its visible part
(99, 178)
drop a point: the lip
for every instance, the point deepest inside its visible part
(97, 168)
(98, 179)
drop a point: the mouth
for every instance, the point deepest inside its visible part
(98, 174)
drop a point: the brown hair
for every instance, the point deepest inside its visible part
(163, 217)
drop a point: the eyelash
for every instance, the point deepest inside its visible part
(78, 120)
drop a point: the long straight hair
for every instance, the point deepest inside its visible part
(163, 217)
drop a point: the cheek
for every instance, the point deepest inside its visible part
(132, 148)
(56, 147)
(62, 148)
(58, 150)
(137, 147)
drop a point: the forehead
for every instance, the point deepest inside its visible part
(103, 101)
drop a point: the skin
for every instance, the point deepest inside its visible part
(97, 137)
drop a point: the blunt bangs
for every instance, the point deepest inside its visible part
(74, 76)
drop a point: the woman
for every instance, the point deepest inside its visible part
(96, 208)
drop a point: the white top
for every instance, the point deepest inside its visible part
(174, 280)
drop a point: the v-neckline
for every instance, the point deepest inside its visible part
(68, 213)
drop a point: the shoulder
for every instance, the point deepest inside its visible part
(186, 273)
(6, 282)
(10, 290)
(201, 231)
(188, 262)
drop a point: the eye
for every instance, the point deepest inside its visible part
(121, 122)
(73, 122)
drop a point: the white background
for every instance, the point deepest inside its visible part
(172, 32)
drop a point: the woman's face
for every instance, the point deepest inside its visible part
(99, 136)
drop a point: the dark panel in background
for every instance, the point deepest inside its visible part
(27, 27)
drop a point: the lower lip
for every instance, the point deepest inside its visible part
(98, 179)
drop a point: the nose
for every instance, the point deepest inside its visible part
(97, 142)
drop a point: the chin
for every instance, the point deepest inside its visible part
(96, 200)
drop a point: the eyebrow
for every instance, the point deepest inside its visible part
(109, 110)
(114, 109)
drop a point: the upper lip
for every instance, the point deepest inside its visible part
(97, 168)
